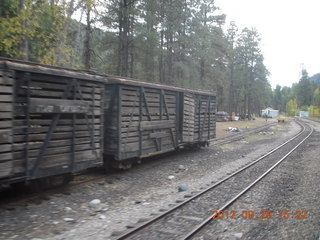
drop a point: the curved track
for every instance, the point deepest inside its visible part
(188, 217)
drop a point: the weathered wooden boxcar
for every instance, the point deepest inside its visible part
(143, 118)
(51, 121)
(55, 121)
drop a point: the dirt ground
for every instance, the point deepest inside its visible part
(127, 197)
(222, 126)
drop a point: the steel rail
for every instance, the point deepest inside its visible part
(205, 222)
(149, 222)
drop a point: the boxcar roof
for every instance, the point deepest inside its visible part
(87, 75)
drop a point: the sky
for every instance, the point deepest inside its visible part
(289, 30)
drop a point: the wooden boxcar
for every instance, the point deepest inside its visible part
(55, 121)
(143, 119)
(51, 121)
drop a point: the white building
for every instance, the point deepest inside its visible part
(304, 114)
(270, 113)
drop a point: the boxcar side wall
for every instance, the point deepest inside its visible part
(205, 122)
(142, 120)
(198, 118)
(148, 121)
(6, 122)
(55, 126)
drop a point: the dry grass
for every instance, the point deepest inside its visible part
(222, 126)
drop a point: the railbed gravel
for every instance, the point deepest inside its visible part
(131, 196)
(292, 187)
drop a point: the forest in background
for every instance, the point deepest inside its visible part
(183, 43)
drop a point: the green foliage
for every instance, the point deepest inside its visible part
(314, 111)
(292, 108)
(30, 31)
(277, 98)
(304, 90)
(316, 97)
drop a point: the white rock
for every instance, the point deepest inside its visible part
(68, 209)
(182, 167)
(171, 177)
(102, 217)
(68, 219)
(55, 222)
(238, 235)
(94, 203)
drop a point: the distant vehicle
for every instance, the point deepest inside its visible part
(223, 116)
(269, 113)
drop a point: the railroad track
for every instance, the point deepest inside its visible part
(190, 216)
(239, 136)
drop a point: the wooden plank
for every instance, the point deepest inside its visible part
(148, 136)
(54, 94)
(6, 115)
(60, 79)
(6, 81)
(6, 107)
(6, 98)
(150, 104)
(62, 86)
(126, 119)
(130, 92)
(47, 122)
(6, 124)
(153, 125)
(57, 150)
(5, 156)
(130, 134)
(7, 73)
(5, 148)
(61, 159)
(159, 134)
(130, 147)
(38, 105)
(5, 136)
(36, 129)
(54, 136)
(152, 110)
(6, 89)
(91, 103)
(6, 169)
(54, 143)
(21, 111)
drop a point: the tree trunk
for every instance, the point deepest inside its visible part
(87, 41)
(124, 36)
(161, 58)
(25, 43)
